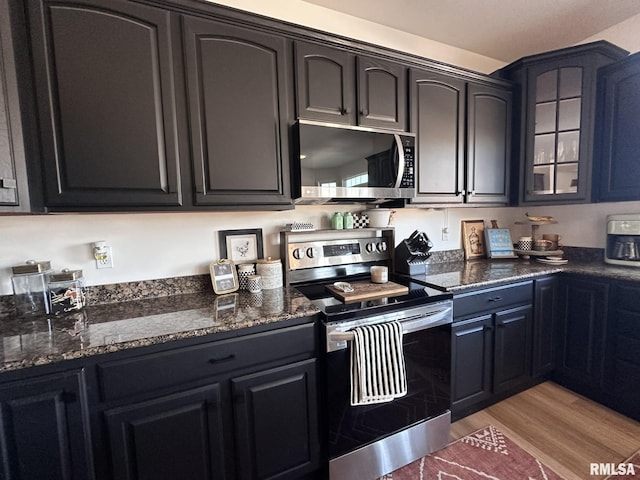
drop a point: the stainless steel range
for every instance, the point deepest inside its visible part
(368, 441)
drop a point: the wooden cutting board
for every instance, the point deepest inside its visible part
(368, 290)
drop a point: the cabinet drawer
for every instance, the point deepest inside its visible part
(492, 299)
(170, 368)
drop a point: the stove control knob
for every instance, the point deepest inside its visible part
(298, 253)
(382, 246)
(312, 252)
(370, 247)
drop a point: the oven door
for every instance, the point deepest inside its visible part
(427, 355)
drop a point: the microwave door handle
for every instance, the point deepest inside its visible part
(400, 150)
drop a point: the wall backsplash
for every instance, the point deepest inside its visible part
(149, 246)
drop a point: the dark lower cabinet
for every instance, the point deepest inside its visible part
(44, 428)
(622, 355)
(545, 309)
(472, 353)
(169, 437)
(491, 346)
(276, 422)
(581, 334)
(512, 352)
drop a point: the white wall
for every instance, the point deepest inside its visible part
(161, 245)
(321, 18)
(625, 34)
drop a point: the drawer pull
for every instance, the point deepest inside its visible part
(495, 299)
(231, 356)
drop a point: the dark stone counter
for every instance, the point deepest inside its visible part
(462, 275)
(118, 326)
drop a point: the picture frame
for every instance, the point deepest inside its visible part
(473, 240)
(499, 244)
(224, 277)
(241, 246)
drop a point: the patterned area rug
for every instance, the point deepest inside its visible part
(483, 455)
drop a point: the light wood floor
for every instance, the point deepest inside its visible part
(562, 429)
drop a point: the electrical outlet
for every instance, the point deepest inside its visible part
(445, 234)
(106, 258)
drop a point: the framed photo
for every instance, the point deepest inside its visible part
(473, 238)
(499, 244)
(241, 246)
(224, 277)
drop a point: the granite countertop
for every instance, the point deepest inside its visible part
(118, 326)
(462, 275)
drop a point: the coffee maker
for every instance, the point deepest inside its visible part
(623, 240)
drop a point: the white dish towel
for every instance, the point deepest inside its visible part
(377, 364)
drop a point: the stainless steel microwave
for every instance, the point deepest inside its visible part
(337, 164)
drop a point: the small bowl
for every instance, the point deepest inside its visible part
(542, 245)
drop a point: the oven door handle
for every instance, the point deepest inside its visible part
(409, 325)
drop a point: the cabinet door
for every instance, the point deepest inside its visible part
(10, 124)
(544, 314)
(581, 334)
(44, 430)
(438, 119)
(276, 422)
(105, 88)
(170, 437)
(325, 84)
(472, 362)
(622, 356)
(618, 142)
(237, 90)
(512, 361)
(488, 144)
(382, 94)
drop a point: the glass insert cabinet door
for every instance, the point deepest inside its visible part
(554, 165)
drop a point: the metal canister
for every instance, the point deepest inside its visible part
(29, 282)
(66, 291)
(270, 270)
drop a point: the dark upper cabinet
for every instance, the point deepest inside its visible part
(438, 120)
(325, 84)
(463, 132)
(488, 144)
(382, 94)
(276, 422)
(555, 134)
(105, 90)
(581, 333)
(44, 426)
(169, 437)
(237, 99)
(335, 86)
(15, 191)
(617, 140)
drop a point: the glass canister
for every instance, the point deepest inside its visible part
(29, 282)
(66, 291)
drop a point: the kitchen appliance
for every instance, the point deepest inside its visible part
(368, 441)
(338, 164)
(623, 240)
(412, 253)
